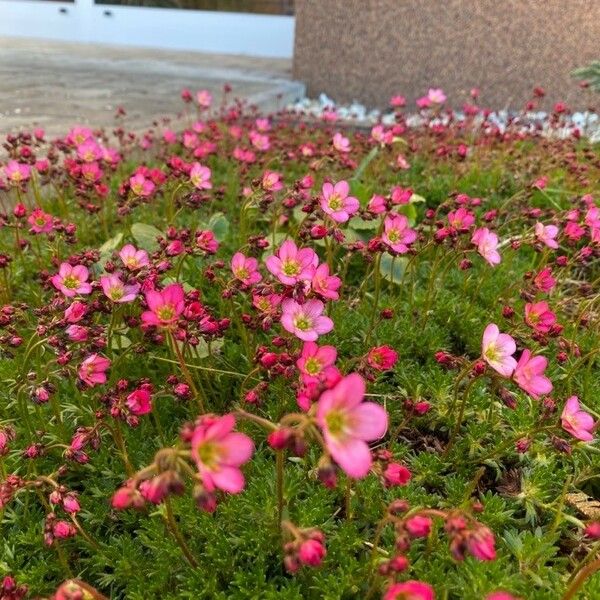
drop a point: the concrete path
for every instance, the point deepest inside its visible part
(55, 85)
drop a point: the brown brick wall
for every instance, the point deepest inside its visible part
(370, 49)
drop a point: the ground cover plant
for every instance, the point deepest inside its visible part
(256, 357)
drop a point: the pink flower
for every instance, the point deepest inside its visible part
(77, 333)
(271, 181)
(382, 358)
(89, 151)
(539, 316)
(544, 281)
(396, 474)
(500, 596)
(141, 186)
(115, 290)
(17, 173)
(418, 526)
(410, 590)
(132, 258)
(40, 221)
(75, 312)
(336, 202)
(397, 234)
(165, 306)
(481, 543)
(529, 375)
(245, 269)
(436, 96)
(497, 350)
(206, 241)
(461, 219)
(397, 101)
(541, 183)
(311, 553)
(578, 423)
(93, 369)
(314, 360)
(487, 244)
(341, 143)
(291, 264)
(324, 284)
(266, 304)
(204, 98)
(219, 452)
(139, 402)
(348, 424)
(72, 280)
(200, 176)
(547, 234)
(377, 205)
(305, 321)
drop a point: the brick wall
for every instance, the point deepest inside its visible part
(369, 49)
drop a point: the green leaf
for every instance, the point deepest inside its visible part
(219, 225)
(366, 161)
(416, 198)
(107, 248)
(392, 267)
(146, 236)
(360, 191)
(359, 224)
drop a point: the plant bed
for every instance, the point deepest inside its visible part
(263, 358)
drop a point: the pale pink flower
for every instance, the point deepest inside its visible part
(132, 258)
(263, 124)
(577, 422)
(348, 424)
(306, 321)
(410, 590)
(165, 306)
(245, 269)
(72, 280)
(77, 333)
(16, 172)
(341, 143)
(40, 221)
(397, 234)
(497, 350)
(539, 316)
(547, 234)
(529, 374)
(93, 369)
(78, 135)
(266, 304)
(259, 140)
(314, 360)
(204, 98)
(324, 284)
(487, 245)
(271, 181)
(141, 186)
(402, 163)
(219, 452)
(336, 202)
(200, 176)
(114, 289)
(436, 96)
(291, 264)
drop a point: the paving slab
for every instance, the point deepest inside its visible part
(55, 85)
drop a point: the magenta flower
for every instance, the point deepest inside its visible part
(132, 258)
(461, 219)
(206, 241)
(200, 177)
(291, 264)
(93, 369)
(219, 452)
(539, 316)
(75, 312)
(314, 360)
(497, 350)
(245, 269)
(577, 422)
(382, 358)
(165, 306)
(348, 424)
(487, 245)
(114, 289)
(139, 402)
(336, 202)
(324, 284)
(397, 234)
(529, 375)
(544, 281)
(482, 544)
(72, 280)
(410, 590)
(547, 234)
(40, 221)
(306, 321)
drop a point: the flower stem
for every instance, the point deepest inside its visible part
(581, 576)
(176, 533)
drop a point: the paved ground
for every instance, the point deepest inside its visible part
(55, 85)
